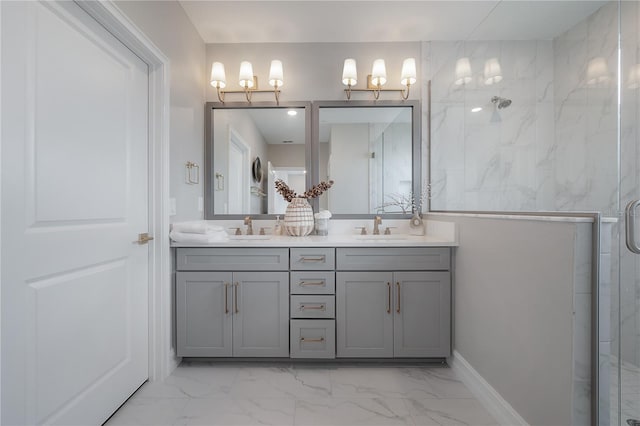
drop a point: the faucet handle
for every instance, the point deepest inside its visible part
(387, 230)
(238, 232)
(262, 230)
(247, 220)
(363, 230)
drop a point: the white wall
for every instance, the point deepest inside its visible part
(168, 27)
(522, 312)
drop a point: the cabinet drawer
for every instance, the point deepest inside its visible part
(313, 307)
(311, 259)
(313, 339)
(232, 259)
(313, 282)
(393, 259)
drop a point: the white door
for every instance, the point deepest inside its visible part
(74, 198)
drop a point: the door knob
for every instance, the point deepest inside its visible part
(143, 238)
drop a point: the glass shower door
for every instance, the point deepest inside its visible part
(626, 378)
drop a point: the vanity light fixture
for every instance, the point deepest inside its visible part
(378, 77)
(492, 72)
(247, 80)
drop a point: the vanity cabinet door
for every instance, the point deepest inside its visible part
(203, 314)
(261, 314)
(364, 314)
(422, 314)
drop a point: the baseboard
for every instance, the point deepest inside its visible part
(500, 409)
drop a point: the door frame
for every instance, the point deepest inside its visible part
(162, 356)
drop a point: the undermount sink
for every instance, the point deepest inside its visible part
(249, 237)
(381, 237)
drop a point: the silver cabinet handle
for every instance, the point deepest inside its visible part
(306, 283)
(312, 259)
(320, 307)
(226, 298)
(389, 299)
(630, 225)
(235, 298)
(319, 340)
(398, 307)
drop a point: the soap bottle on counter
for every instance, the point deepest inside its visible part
(277, 229)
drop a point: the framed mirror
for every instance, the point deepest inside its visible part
(247, 148)
(372, 152)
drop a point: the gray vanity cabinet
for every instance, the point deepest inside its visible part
(239, 313)
(393, 313)
(364, 316)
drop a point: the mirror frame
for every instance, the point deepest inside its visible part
(416, 148)
(209, 184)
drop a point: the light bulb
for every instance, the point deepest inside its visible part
(276, 75)
(408, 75)
(246, 74)
(378, 73)
(349, 73)
(218, 77)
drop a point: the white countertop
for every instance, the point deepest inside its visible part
(339, 240)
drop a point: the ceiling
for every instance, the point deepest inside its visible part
(310, 21)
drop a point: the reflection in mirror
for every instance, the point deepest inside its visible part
(248, 149)
(368, 152)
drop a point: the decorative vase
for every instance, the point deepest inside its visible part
(298, 218)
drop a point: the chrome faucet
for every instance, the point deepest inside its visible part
(247, 221)
(377, 221)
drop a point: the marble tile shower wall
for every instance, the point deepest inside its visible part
(554, 148)
(492, 160)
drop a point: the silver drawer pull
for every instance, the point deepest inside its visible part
(320, 340)
(320, 307)
(312, 259)
(306, 283)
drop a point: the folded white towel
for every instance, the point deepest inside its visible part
(196, 227)
(212, 237)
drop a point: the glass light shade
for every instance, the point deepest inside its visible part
(633, 82)
(218, 77)
(246, 74)
(378, 73)
(276, 75)
(463, 72)
(349, 73)
(597, 71)
(492, 71)
(408, 75)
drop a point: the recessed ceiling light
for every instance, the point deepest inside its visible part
(287, 141)
(292, 112)
(476, 109)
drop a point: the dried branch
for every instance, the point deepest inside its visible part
(289, 194)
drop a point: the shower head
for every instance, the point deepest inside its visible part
(500, 102)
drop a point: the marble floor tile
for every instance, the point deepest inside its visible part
(303, 394)
(366, 382)
(453, 411)
(280, 382)
(242, 412)
(352, 412)
(149, 412)
(423, 382)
